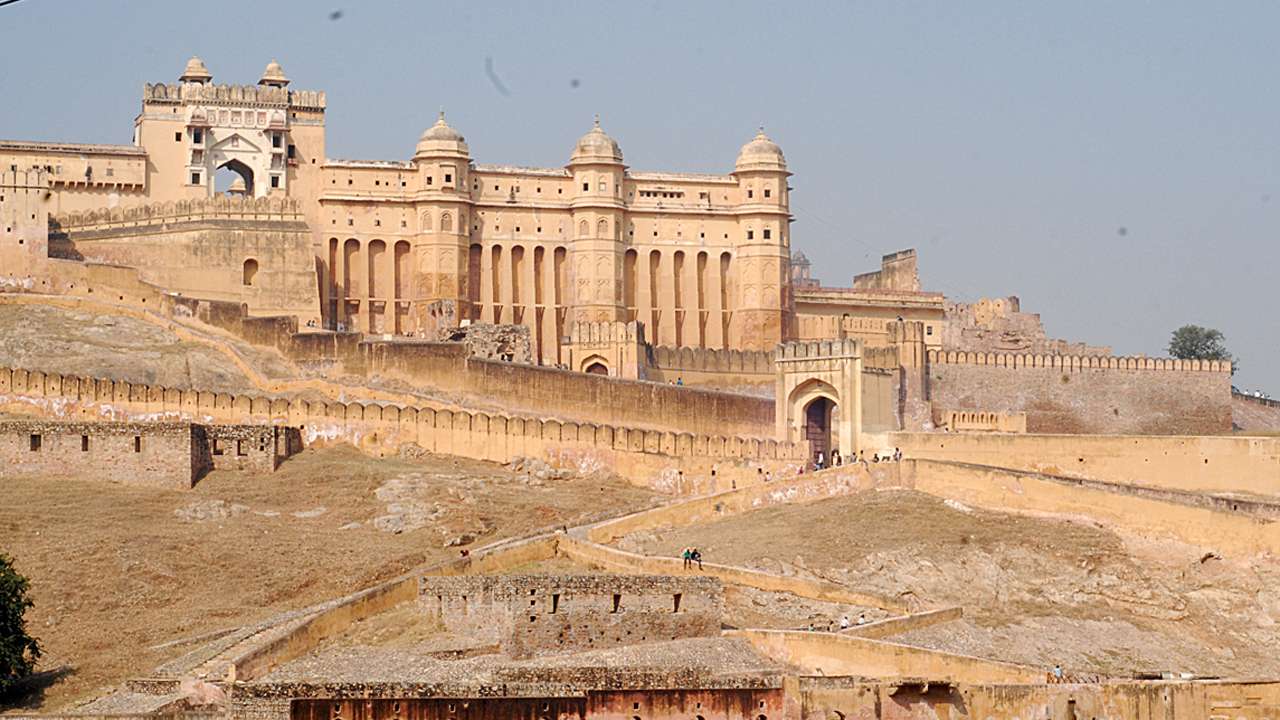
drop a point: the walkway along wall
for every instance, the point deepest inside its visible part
(1086, 394)
(668, 461)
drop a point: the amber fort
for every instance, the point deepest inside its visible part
(523, 392)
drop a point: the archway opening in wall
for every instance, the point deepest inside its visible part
(596, 368)
(250, 271)
(817, 426)
(230, 171)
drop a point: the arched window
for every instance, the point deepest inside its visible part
(426, 221)
(446, 223)
(602, 228)
(250, 271)
(583, 229)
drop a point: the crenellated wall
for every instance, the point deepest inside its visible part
(255, 252)
(676, 462)
(1080, 394)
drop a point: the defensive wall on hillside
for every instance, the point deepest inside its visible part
(1086, 394)
(666, 460)
(1213, 464)
(252, 251)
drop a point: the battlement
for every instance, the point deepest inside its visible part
(1075, 363)
(221, 207)
(812, 349)
(1003, 422)
(605, 332)
(750, 362)
(242, 95)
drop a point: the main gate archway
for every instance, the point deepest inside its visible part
(818, 398)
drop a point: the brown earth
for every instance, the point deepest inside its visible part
(116, 570)
(1035, 590)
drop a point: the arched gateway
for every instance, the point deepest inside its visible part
(819, 395)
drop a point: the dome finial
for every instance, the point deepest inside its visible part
(597, 120)
(441, 118)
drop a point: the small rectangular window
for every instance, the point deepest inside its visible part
(197, 136)
(751, 234)
(767, 234)
(137, 443)
(216, 449)
(586, 187)
(275, 140)
(240, 450)
(111, 171)
(766, 192)
(35, 443)
(177, 137)
(275, 181)
(84, 443)
(617, 603)
(750, 193)
(928, 330)
(429, 179)
(675, 603)
(555, 603)
(292, 152)
(448, 178)
(195, 178)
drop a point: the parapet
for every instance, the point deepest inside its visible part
(818, 349)
(1075, 363)
(604, 332)
(221, 207)
(244, 95)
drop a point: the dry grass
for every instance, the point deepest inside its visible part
(115, 571)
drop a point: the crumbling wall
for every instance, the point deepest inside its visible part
(152, 454)
(999, 325)
(897, 272)
(533, 615)
(508, 343)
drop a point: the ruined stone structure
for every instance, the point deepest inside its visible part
(170, 455)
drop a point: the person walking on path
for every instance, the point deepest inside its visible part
(696, 556)
(687, 554)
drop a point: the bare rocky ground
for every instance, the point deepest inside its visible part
(55, 339)
(1035, 590)
(118, 570)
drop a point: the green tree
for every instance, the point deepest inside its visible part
(1192, 342)
(18, 650)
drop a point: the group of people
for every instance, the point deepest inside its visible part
(837, 459)
(691, 555)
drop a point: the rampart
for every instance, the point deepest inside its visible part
(252, 95)
(1206, 464)
(655, 457)
(1085, 394)
(701, 366)
(527, 615)
(252, 251)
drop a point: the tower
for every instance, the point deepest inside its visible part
(439, 292)
(598, 216)
(765, 303)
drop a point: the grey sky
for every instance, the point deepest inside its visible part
(1116, 165)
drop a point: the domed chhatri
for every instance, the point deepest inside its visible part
(237, 188)
(760, 154)
(195, 71)
(441, 138)
(273, 75)
(596, 147)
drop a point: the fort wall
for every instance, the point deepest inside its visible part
(663, 459)
(998, 489)
(1205, 464)
(150, 454)
(529, 615)
(833, 654)
(255, 252)
(1085, 394)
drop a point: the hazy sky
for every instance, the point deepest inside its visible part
(1115, 165)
